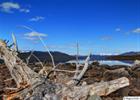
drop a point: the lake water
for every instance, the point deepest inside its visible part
(114, 63)
(108, 62)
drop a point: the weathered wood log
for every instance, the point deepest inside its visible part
(105, 88)
(100, 89)
(19, 71)
(29, 83)
(35, 92)
(62, 92)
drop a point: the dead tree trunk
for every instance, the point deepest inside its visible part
(100, 89)
(19, 71)
(29, 83)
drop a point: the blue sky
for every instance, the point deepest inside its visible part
(99, 26)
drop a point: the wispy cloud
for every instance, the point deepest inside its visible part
(137, 30)
(117, 29)
(35, 34)
(25, 10)
(134, 31)
(30, 38)
(10, 7)
(37, 18)
(106, 38)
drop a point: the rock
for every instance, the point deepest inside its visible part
(106, 98)
(135, 67)
(135, 83)
(52, 97)
(119, 66)
(113, 67)
(123, 92)
(114, 74)
(134, 92)
(137, 62)
(94, 97)
(136, 70)
(67, 66)
(105, 66)
(95, 63)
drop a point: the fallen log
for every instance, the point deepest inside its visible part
(68, 92)
(19, 71)
(100, 89)
(105, 88)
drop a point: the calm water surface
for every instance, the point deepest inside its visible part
(108, 62)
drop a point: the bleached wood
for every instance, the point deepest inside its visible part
(84, 69)
(77, 79)
(100, 89)
(15, 42)
(29, 57)
(19, 71)
(105, 88)
(77, 62)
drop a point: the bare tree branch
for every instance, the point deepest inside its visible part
(29, 57)
(76, 80)
(53, 63)
(77, 62)
(15, 42)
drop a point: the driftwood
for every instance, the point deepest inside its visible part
(31, 54)
(77, 62)
(15, 43)
(31, 85)
(100, 89)
(78, 78)
(19, 71)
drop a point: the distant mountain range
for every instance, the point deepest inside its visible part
(123, 56)
(130, 53)
(63, 57)
(126, 56)
(45, 57)
(94, 57)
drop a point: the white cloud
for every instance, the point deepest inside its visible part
(117, 29)
(106, 38)
(35, 34)
(9, 7)
(30, 38)
(37, 18)
(25, 10)
(137, 30)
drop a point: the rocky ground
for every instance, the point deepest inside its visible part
(96, 73)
